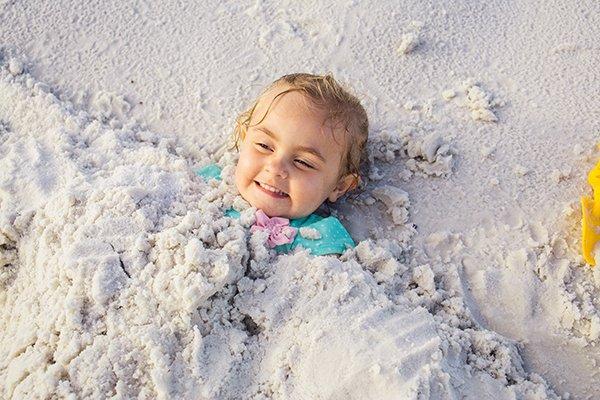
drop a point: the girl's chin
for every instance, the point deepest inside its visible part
(265, 201)
(274, 212)
(268, 207)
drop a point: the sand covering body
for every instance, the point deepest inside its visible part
(121, 277)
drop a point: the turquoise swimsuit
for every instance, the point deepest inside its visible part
(334, 239)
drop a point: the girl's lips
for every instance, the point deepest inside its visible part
(272, 194)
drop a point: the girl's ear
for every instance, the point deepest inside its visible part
(345, 183)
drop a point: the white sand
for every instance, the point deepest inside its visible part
(119, 276)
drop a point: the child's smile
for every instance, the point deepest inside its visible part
(271, 190)
(290, 161)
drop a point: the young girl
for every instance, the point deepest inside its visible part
(300, 144)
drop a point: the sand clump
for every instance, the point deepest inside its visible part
(410, 40)
(472, 95)
(426, 154)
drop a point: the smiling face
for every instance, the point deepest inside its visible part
(290, 163)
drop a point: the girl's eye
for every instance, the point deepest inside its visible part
(304, 164)
(263, 146)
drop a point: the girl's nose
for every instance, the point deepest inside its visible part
(278, 167)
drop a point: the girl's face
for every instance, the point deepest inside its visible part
(289, 164)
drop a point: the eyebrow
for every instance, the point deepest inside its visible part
(305, 149)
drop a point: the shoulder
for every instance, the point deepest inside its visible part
(324, 235)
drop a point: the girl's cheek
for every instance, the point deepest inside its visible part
(246, 158)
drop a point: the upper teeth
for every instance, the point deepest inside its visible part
(270, 188)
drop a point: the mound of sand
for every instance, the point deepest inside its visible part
(120, 276)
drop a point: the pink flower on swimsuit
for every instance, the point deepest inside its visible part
(280, 231)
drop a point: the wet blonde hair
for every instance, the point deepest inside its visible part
(343, 109)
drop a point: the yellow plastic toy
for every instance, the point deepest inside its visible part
(591, 217)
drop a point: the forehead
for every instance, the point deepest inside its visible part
(288, 100)
(285, 110)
